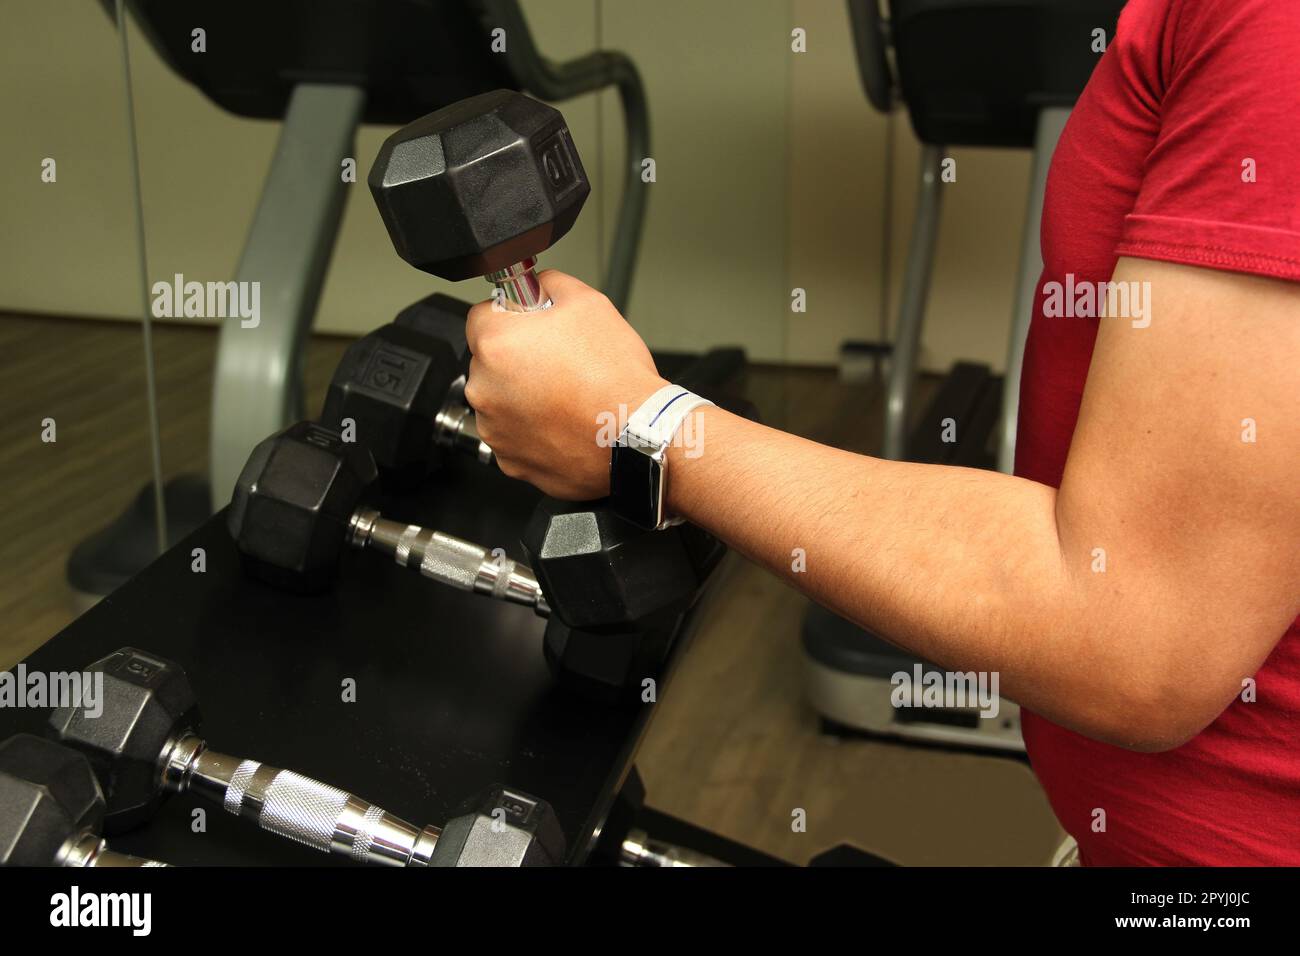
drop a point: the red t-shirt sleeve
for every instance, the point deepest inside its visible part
(1221, 186)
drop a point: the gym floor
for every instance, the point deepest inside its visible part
(733, 748)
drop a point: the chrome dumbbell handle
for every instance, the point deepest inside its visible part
(519, 288)
(88, 849)
(452, 561)
(298, 808)
(455, 425)
(640, 849)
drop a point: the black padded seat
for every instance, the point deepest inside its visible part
(410, 56)
(979, 72)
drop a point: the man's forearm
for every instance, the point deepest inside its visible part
(962, 567)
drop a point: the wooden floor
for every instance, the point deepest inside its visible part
(734, 747)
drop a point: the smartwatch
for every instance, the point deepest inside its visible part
(638, 462)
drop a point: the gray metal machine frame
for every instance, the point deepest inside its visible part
(916, 285)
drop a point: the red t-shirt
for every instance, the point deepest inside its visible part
(1191, 97)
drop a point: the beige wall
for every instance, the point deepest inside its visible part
(836, 196)
(770, 176)
(66, 246)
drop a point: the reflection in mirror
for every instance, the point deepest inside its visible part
(80, 431)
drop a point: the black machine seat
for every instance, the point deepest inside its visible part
(836, 643)
(410, 56)
(979, 72)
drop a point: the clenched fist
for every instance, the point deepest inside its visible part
(551, 389)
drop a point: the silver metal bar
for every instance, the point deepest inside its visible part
(455, 425)
(1051, 122)
(88, 849)
(521, 291)
(911, 312)
(440, 557)
(150, 379)
(296, 807)
(257, 386)
(640, 849)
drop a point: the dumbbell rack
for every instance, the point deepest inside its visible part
(452, 692)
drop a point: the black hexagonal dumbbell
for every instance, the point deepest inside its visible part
(401, 391)
(603, 575)
(505, 828)
(610, 666)
(145, 746)
(51, 808)
(600, 571)
(300, 501)
(617, 590)
(480, 188)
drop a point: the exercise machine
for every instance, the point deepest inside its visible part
(323, 67)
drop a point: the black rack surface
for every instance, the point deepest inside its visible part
(452, 691)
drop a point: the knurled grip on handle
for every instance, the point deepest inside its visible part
(471, 567)
(453, 561)
(448, 560)
(317, 815)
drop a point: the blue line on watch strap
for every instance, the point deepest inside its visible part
(681, 394)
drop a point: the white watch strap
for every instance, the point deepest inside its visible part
(655, 423)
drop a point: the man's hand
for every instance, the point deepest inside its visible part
(551, 389)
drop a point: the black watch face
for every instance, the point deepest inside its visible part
(634, 486)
